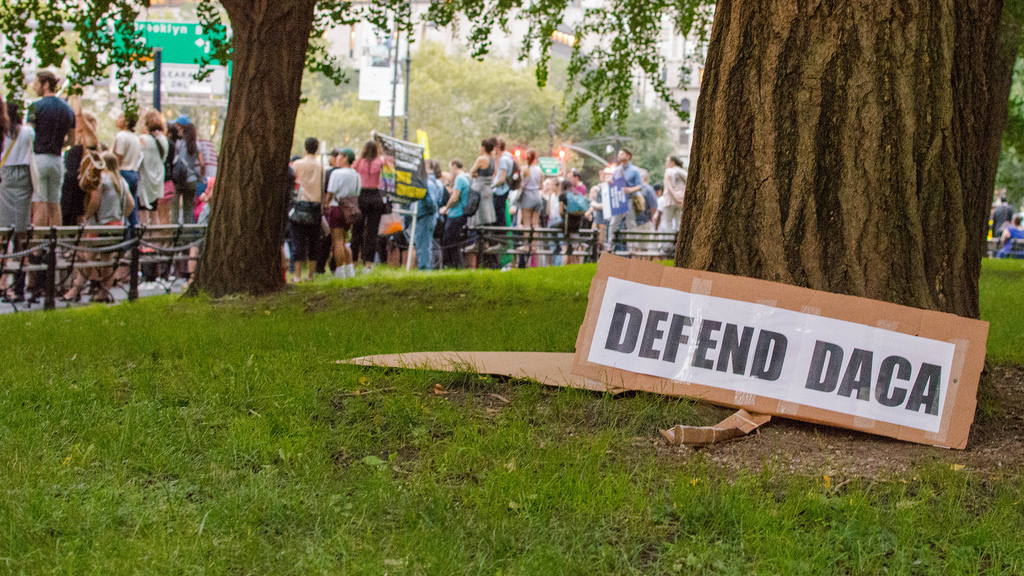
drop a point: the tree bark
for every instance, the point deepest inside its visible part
(850, 147)
(242, 253)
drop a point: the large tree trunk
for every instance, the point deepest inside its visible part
(242, 253)
(850, 146)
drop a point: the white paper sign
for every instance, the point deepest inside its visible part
(755, 349)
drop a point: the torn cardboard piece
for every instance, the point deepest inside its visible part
(549, 368)
(739, 424)
(776, 349)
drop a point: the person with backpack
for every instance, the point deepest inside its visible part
(573, 206)
(185, 173)
(426, 218)
(155, 148)
(451, 245)
(343, 186)
(109, 204)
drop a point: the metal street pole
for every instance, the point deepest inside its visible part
(405, 105)
(551, 133)
(394, 76)
(158, 58)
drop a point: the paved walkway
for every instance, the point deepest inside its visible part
(120, 294)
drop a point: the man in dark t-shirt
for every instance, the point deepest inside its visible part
(54, 123)
(1001, 216)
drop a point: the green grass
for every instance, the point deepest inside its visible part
(1002, 305)
(198, 437)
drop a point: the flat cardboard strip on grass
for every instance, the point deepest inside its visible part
(549, 368)
(776, 349)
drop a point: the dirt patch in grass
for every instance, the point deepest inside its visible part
(995, 446)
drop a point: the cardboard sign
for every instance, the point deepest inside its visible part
(776, 349)
(617, 196)
(404, 175)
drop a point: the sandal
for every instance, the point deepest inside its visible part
(72, 296)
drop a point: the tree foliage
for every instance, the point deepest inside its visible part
(458, 100)
(613, 42)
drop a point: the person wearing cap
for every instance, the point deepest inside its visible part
(342, 208)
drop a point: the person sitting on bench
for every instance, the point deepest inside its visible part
(1011, 233)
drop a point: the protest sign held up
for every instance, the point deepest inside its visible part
(404, 176)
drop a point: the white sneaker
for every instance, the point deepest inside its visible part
(350, 270)
(340, 273)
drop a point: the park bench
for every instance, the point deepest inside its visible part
(503, 240)
(55, 252)
(644, 244)
(1016, 250)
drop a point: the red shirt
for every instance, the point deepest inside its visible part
(369, 171)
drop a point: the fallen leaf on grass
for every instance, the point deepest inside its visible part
(500, 398)
(373, 461)
(439, 390)
(956, 467)
(513, 505)
(511, 466)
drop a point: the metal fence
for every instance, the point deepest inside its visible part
(47, 257)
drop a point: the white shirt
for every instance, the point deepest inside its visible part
(151, 169)
(344, 182)
(554, 208)
(127, 145)
(21, 155)
(675, 185)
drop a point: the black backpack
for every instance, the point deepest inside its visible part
(472, 202)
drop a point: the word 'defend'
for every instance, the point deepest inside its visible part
(840, 366)
(664, 334)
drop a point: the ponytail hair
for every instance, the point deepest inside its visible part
(112, 167)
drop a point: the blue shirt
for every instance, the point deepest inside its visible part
(505, 163)
(435, 192)
(630, 174)
(462, 186)
(1015, 234)
(651, 199)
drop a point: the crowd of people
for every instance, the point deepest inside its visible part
(344, 210)
(55, 171)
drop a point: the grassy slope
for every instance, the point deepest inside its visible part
(193, 437)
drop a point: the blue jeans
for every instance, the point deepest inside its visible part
(424, 242)
(132, 178)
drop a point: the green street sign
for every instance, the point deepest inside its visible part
(550, 166)
(182, 42)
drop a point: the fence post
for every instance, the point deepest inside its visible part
(133, 266)
(479, 248)
(50, 278)
(594, 241)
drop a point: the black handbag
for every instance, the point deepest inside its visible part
(304, 212)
